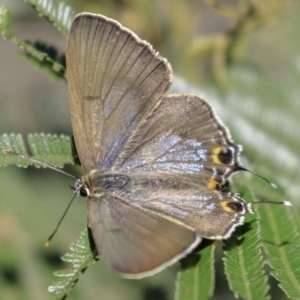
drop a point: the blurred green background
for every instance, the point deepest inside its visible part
(242, 56)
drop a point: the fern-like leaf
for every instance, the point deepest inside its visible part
(57, 12)
(4, 19)
(37, 54)
(266, 121)
(52, 149)
(244, 261)
(81, 256)
(196, 279)
(281, 241)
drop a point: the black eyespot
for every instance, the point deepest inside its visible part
(226, 156)
(236, 206)
(83, 191)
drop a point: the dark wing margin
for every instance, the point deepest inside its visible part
(135, 242)
(114, 78)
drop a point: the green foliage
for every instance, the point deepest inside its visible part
(262, 113)
(271, 117)
(52, 149)
(196, 279)
(81, 256)
(281, 243)
(56, 11)
(39, 55)
(4, 19)
(244, 260)
(12, 142)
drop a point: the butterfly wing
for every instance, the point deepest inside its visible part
(113, 79)
(212, 214)
(178, 159)
(182, 136)
(135, 242)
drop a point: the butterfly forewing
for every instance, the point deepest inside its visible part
(181, 136)
(114, 78)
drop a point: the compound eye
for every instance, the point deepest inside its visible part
(83, 191)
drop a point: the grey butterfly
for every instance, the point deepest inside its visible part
(155, 163)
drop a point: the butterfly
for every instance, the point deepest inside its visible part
(155, 163)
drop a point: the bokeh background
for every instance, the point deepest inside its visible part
(242, 56)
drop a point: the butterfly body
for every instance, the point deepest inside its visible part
(99, 183)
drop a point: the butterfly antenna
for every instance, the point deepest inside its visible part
(45, 165)
(272, 184)
(59, 222)
(35, 161)
(286, 203)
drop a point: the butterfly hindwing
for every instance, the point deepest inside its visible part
(135, 242)
(212, 214)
